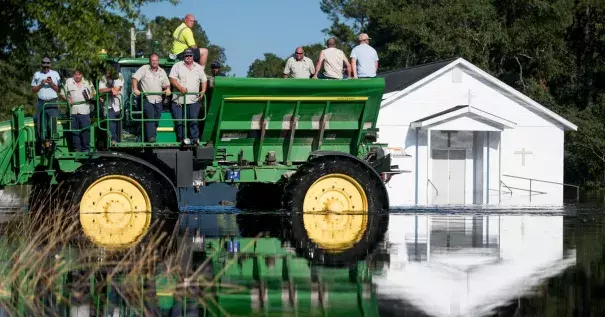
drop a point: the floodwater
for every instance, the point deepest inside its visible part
(431, 262)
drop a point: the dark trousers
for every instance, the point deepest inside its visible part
(80, 139)
(49, 114)
(151, 111)
(193, 111)
(114, 125)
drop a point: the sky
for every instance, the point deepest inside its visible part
(249, 28)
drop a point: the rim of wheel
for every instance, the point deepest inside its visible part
(343, 205)
(115, 212)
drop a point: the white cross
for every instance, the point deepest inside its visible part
(523, 153)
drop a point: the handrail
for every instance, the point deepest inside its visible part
(437, 190)
(509, 189)
(548, 182)
(177, 95)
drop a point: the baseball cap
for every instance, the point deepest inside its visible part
(46, 61)
(188, 52)
(215, 64)
(363, 36)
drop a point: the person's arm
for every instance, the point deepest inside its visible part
(188, 36)
(165, 83)
(318, 65)
(311, 68)
(54, 86)
(354, 66)
(176, 85)
(135, 86)
(37, 86)
(348, 66)
(287, 68)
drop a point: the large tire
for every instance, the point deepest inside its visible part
(354, 210)
(118, 201)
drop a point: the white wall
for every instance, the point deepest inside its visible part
(545, 163)
(535, 132)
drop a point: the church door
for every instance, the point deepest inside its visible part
(448, 176)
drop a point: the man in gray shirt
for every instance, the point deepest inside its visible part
(364, 58)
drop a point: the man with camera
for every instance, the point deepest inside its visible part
(152, 79)
(79, 96)
(45, 84)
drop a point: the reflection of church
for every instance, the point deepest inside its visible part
(450, 265)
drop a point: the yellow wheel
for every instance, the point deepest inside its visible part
(115, 212)
(342, 205)
(116, 201)
(337, 210)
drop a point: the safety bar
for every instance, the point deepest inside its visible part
(142, 118)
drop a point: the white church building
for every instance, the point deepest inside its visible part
(464, 137)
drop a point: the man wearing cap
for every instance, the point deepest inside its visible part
(152, 79)
(187, 76)
(45, 84)
(183, 39)
(364, 58)
(79, 96)
(299, 66)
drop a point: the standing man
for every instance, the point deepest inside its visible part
(79, 96)
(299, 66)
(188, 77)
(45, 84)
(364, 58)
(183, 39)
(153, 79)
(111, 84)
(332, 60)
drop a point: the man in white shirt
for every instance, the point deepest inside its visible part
(187, 76)
(364, 58)
(45, 84)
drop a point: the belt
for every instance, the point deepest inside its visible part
(52, 99)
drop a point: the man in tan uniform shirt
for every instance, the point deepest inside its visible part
(332, 60)
(188, 77)
(152, 79)
(79, 96)
(299, 66)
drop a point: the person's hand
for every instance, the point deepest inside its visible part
(137, 92)
(115, 91)
(70, 100)
(183, 90)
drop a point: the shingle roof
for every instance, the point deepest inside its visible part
(400, 79)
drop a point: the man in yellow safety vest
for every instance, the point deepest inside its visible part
(183, 39)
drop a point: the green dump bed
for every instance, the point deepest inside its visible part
(255, 116)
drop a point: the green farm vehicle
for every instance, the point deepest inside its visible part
(305, 147)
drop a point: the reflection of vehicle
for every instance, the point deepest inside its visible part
(314, 141)
(220, 274)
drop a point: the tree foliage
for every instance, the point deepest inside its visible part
(551, 50)
(71, 33)
(272, 66)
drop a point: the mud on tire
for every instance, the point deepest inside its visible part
(376, 222)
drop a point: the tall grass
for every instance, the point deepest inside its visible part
(48, 267)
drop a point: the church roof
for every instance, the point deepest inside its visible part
(401, 82)
(400, 79)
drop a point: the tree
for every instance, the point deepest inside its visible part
(272, 66)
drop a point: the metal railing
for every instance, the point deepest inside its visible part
(104, 120)
(141, 112)
(531, 180)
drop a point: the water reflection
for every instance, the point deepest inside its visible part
(470, 265)
(228, 264)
